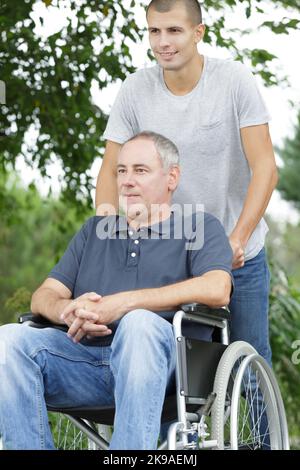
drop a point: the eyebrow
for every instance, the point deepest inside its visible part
(136, 165)
(169, 27)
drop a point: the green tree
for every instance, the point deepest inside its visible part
(49, 79)
(34, 233)
(289, 181)
(284, 331)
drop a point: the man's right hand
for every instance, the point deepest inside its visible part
(238, 250)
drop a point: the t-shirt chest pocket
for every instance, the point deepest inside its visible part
(212, 137)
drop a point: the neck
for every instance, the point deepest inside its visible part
(183, 81)
(153, 218)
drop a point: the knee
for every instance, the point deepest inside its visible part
(9, 332)
(143, 336)
(141, 326)
(141, 321)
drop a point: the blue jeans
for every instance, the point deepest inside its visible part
(249, 306)
(43, 366)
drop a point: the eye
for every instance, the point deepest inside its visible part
(121, 171)
(153, 30)
(140, 170)
(175, 30)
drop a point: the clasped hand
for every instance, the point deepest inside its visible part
(89, 314)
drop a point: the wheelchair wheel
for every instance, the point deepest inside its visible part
(68, 436)
(248, 412)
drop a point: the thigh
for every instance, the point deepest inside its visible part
(249, 305)
(73, 374)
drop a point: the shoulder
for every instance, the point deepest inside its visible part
(89, 224)
(201, 224)
(142, 77)
(229, 69)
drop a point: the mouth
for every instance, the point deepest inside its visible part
(167, 55)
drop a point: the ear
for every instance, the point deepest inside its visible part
(173, 178)
(199, 33)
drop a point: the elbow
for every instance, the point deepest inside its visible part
(221, 301)
(33, 303)
(222, 296)
(275, 177)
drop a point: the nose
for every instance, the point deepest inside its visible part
(128, 180)
(164, 40)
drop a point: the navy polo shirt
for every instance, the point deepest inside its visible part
(108, 256)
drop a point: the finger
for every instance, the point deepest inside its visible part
(79, 335)
(69, 319)
(103, 331)
(91, 328)
(68, 309)
(238, 257)
(77, 323)
(89, 296)
(76, 304)
(93, 296)
(238, 265)
(96, 334)
(86, 315)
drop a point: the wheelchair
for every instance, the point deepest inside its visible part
(226, 395)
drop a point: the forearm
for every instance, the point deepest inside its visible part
(107, 201)
(106, 194)
(259, 192)
(208, 290)
(48, 303)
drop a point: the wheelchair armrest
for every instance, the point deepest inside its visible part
(205, 311)
(38, 321)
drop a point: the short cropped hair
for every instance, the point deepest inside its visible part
(166, 149)
(193, 8)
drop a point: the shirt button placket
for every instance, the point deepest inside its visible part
(133, 250)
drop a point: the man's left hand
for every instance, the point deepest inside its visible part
(92, 321)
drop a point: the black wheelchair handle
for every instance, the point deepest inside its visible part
(221, 313)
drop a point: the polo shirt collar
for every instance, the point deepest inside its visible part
(120, 225)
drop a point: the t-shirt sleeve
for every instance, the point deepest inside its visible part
(121, 124)
(215, 253)
(67, 268)
(250, 105)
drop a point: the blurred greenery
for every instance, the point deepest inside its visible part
(284, 330)
(34, 233)
(49, 84)
(289, 182)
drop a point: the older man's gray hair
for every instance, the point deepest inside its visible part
(166, 149)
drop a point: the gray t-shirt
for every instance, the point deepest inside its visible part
(205, 125)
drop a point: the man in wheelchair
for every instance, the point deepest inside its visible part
(116, 288)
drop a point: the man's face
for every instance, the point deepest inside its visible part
(142, 180)
(173, 38)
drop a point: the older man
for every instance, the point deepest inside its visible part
(121, 280)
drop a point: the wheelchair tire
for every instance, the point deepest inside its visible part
(248, 412)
